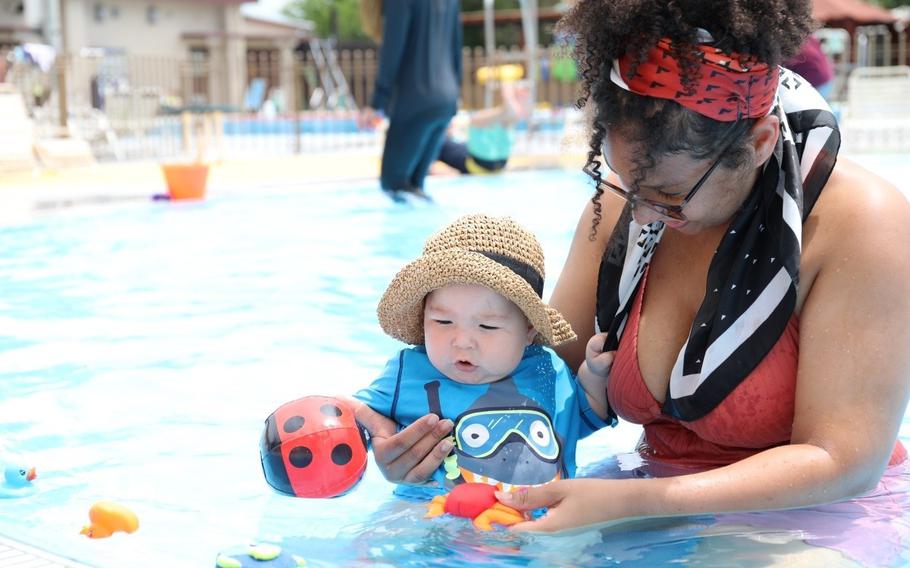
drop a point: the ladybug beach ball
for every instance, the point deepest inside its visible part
(313, 447)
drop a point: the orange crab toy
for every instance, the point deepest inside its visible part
(474, 501)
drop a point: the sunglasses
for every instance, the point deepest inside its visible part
(665, 209)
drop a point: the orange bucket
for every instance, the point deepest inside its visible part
(185, 181)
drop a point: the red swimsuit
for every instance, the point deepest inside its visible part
(758, 414)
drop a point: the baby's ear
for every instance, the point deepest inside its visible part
(532, 333)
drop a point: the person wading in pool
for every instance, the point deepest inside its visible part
(752, 295)
(417, 85)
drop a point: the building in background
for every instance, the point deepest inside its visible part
(200, 52)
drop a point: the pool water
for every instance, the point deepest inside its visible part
(142, 345)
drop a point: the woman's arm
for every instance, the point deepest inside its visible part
(575, 292)
(852, 383)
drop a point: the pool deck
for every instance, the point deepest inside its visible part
(14, 554)
(23, 194)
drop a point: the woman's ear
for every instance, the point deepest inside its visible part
(765, 132)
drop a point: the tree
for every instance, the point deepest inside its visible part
(331, 18)
(892, 3)
(341, 19)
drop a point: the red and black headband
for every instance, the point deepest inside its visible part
(729, 85)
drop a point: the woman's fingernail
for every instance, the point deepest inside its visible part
(432, 420)
(446, 446)
(504, 496)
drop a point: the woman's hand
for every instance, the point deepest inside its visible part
(412, 455)
(570, 503)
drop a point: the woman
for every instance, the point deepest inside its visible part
(752, 293)
(417, 85)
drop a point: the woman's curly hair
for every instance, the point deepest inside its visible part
(603, 30)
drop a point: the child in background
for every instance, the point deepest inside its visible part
(471, 306)
(490, 134)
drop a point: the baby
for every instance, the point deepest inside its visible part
(471, 307)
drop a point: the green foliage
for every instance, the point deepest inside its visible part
(335, 18)
(477, 5)
(341, 19)
(892, 3)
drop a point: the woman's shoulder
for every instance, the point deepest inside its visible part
(855, 201)
(860, 224)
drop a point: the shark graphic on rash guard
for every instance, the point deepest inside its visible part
(505, 439)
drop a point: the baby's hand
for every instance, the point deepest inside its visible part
(598, 361)
(594, 374)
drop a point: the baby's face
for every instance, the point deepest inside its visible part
(474, 335)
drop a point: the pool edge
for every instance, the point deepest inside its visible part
(16, 553)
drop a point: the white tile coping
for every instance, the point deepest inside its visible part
(14, 554)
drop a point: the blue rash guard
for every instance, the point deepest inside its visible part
(417, 85)
(520, 430)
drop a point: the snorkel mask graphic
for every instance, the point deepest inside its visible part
(507, 446)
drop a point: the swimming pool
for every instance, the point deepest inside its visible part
(143, 344)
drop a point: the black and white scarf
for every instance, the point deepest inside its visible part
(754, 275)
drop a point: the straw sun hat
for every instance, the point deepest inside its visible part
(495, 252)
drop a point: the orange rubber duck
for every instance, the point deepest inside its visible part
(107, 518)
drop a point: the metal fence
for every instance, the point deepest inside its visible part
(145, 107)
(135, 107)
